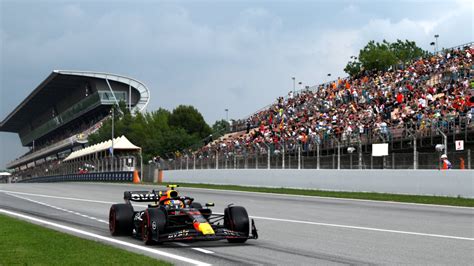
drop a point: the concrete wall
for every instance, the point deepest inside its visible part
(420, 182)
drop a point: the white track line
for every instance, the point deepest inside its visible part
(364, 228)
(332, 198)
(59, 208)
(96, 219)
(107, 239)
(57, 197)
(197, 249)
(290, 221)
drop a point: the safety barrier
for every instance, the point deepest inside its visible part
(87, 177)
(415, 182)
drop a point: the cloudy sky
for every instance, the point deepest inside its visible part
(214, 55)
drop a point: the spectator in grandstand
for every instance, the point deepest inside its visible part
(431, 92)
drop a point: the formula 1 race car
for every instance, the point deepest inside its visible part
(176, 218)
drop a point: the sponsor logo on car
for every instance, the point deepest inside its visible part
(178, 234)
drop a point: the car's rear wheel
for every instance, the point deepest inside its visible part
(154, 222)
(237, 219)
(121, 219)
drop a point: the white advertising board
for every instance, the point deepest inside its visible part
(459, 145)
(380, 149)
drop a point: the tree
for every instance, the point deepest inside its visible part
(154, 131)
(220, 128)
(407, 51)
(353, 68)
(377, 56)
(190, 119)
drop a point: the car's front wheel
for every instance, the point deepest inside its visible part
(237, 219)
(154, 222)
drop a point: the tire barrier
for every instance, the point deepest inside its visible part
(89, 177)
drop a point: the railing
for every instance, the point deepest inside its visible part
(68, 115)
(329, 152)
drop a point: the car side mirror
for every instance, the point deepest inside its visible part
(210, 204)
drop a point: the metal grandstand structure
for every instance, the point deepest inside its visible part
(58, 115)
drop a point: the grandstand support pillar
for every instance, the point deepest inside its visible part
(217, 159)
(317, 157)
(360, 155)
(299, 157)
(187, 160)
(194, 161)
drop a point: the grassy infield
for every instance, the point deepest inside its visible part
(29, 244)
(23, 243)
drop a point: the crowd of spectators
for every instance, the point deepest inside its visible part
(430, 92)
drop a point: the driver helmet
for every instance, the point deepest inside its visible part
(175, 204)
(444, 156)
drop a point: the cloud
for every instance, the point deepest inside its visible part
(238, 58)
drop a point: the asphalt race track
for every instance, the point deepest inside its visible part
(293, 230)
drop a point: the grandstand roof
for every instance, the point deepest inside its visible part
(120, 143)
(54, 88)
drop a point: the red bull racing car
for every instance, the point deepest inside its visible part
(170, 217)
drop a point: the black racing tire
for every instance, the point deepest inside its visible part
(237, 219)
(121, 219)
(196, 205)
(154, 222)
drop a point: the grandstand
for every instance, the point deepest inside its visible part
(413, 109)
(63, 110)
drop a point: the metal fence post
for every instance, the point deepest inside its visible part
(256, 160)
(469, 159)
(268, 157)
(415, 157)
(299, 157)
(217, 159)
(393, 160)
(360, 155)
(338, 156)
(194, 161)
(333, 161)
(283, 156)
(317, 157)
(235, 159)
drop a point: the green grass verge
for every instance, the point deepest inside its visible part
(438, 200)
(23, 243)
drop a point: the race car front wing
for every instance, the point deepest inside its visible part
(220, 233)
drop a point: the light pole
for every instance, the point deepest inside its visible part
(112, 146)
(293, 78)
(436, 45)
(227, 115)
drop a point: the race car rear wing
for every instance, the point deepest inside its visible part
(142, 196)
(148, 196)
